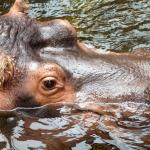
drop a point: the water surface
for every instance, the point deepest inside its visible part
(118, 25)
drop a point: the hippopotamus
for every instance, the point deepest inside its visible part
(44, 62)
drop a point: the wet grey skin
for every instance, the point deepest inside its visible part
(95, 77)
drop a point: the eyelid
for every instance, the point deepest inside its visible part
(59, 85)
(50, 77)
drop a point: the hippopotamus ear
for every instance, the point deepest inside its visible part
(60, 33)
(6, 69)
(20, 6)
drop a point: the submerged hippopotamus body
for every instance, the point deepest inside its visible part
(43, 62)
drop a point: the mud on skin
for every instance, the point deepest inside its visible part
(52, 66)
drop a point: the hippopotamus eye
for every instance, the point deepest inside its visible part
(49, 84)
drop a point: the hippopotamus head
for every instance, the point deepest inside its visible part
(33, 85)
(52, 66)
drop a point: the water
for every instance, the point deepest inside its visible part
(117, 25)
(116, 126)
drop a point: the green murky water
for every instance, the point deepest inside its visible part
(119, 25)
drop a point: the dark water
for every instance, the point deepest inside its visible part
(106, 24)
(124, 126)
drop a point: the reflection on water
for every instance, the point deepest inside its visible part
(106, 24)
(124, 126)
